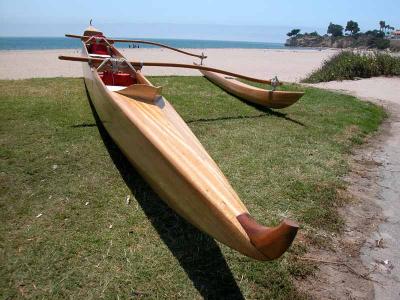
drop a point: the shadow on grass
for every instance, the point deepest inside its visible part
(204, 120)
(197, 253)
(84, 125)
(269, 111)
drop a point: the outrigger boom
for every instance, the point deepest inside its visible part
(202, 56)
(139, 65)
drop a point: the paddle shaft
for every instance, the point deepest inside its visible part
(170, 65)
(140, 42)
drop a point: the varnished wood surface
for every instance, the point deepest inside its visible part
(267, 98)
(164, 150)
(142, 92)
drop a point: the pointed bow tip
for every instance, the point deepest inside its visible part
(272, 242)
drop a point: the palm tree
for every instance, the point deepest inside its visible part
(387, 28)
(382, 25)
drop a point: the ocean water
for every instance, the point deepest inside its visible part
(39, 43)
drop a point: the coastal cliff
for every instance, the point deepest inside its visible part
(346, 37)
(367, 41)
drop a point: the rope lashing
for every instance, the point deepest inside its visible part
(115, 64)
(275, 82)
(201, 58)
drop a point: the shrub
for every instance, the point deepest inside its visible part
(375, 33)
(380, 43)
(348, 65)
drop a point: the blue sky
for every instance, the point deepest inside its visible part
(255, 20)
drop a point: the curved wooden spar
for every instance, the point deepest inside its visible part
(202, 56)
(138, 65)
(268, 98)
(164, 150)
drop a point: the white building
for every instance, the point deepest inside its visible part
(395, 34)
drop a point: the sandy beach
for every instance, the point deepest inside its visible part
(288, 65)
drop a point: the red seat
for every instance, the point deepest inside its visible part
(98, 48)
(121, 79)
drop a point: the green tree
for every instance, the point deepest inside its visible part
(382, 25)
(293, 32)
(388, 28)
(385, 28)
(352, 27)
(335, 29)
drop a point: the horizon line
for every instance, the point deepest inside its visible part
(154, 38)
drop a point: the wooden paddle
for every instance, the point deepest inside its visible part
(139, 65)
(202, 56)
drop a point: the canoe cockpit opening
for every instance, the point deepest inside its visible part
(131, 86)
(97, 45)
(117, 72)
(119, 75)
(117, 78)
(101, 49)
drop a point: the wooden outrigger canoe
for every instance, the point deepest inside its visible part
(267, 98)
(160, 145)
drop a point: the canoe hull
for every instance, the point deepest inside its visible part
(160, 145)
(196, 197)
(267, 98)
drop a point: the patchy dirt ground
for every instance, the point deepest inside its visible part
(342, 274)
(364, 263)
(381, 252)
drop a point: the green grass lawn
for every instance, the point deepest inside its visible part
(64, 183)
